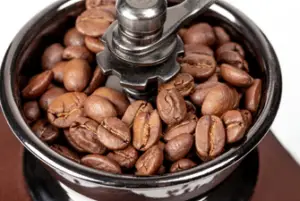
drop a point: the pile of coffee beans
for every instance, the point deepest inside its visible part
(199, 114)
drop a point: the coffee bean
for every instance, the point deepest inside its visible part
(221, 35)
(64, 151)
(114, 133)
(183, 164)
(102, 163)
(150, 162)
(126, 158)
(77, 75)
(201, 92)
(31, 111)
(235, 125)
(118, 99)
(71, 141)
(59, 70)
(182, 31)
(97, 3)
(94, 22)
(65, 109)
(183, 82)
(93, 44)
(215, 76)
(49, 96)
(37, 85)
(162, 170)
(198, 49)
(200, 66)
(253, 95)
(171, 106)
(230, 46)
(201, 33)
(147, 129)
(97, 80)
(178, 147)
(134, 109)
(110, 8)
(82, 135)
(73, 38)
(247, 116)
(209, 137)
(78, 52)
(235, 77)
(52, 55)
(232, 58)
(45, 131)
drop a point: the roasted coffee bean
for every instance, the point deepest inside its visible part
(97, 80)
(73, 38)
(114, 133)
(247, 116)
(183, 164)
(126, 158)
(134, 109)
(147, 129)
(210, 137)
(178, 147)
(200, 66)
(110, 8)
(235, 125)
(37, 85)
(150, 162)
(78, 52)
(221, 35)
(198, 49)
(89, 4)
(201, 33)
(52, 55)
(82, 135)
(93, 44)
(65, 109)
(161, 170)
(94, 22)
(201, 92)
(234, 59)
(77, 75)
(64, 151)
(214, 77)
(59, 70)
(191, 108)
(183, 82)
(171, 106)
(45, 131)
(182, 31)
(230, 46)
(49, 96)
(102, 163)
(98, 108)
(31, 111)
(71, 141)
(253, 95)
(236, 77)
(118, 99)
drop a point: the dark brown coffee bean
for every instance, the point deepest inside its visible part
(253, 95)
(102, 163)
(171, 106)
(161, 170)
(231, 46)
(147, 129)
(37, 85)
(98, 108)
(94, 22)
(89, 4)
(82, 135)
(59, 70)
(49, 96)
(64, 151)
(209, 137)
(134, 109)
(236, 77)
(72, 142)
(114, 133)
(77, 75)
(78, 52)
(65, 109)
(181, 32)
(221, 36)
(183, 82)
(126, 158)
(191, 108)
(97, 80)
(150, 162)
(181, 165)
(198, 49)
(201, 33)
(247, 116)
(235, 125)
(201, 92)
(200, 66)
(178, 147)
(32, 111)
(45, 131)
(232, 58)
(118, 99)
(73, 38)
(93, 44)
(52, 55)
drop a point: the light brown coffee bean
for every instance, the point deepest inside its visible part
(235, 125)
(181, 165)
(93, 44)
(209, 137)
(126, 158)
(71, 141)
(171, 106)
(52, 55)
(221, 35)
(64, 151)
(201, 92)
(97, 80)
(59, 70)
(31, 111)
(147, 129)
(65, 109)
(78, 52)
(236, 77)
(102, 163)
(247, 116)
(201, 33)
(89, 4)
(45, 131)
(253, 95)
(198, 49)
(233, 58)
(49, 96)
(230, 46)
(73, 38)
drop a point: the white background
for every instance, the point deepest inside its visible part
(278, 19)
